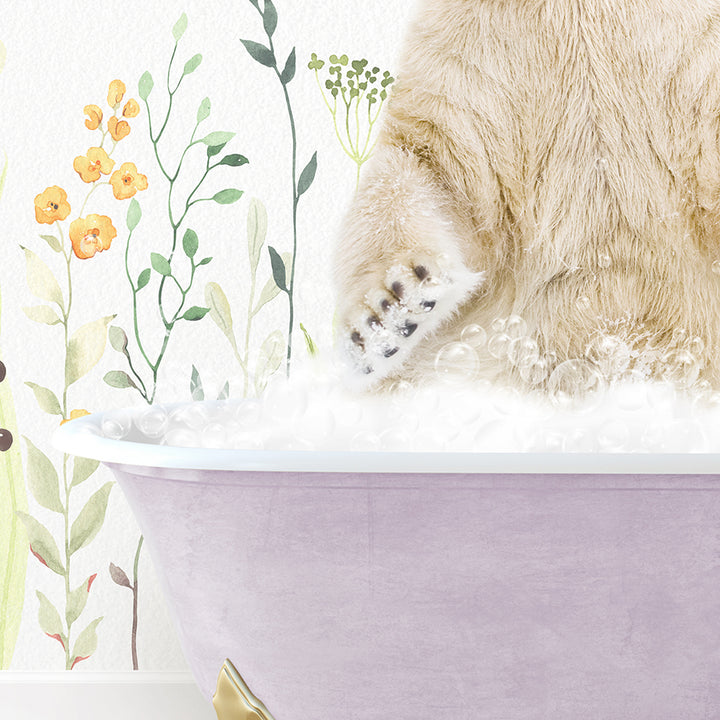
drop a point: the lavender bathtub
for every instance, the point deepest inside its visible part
(418, 586)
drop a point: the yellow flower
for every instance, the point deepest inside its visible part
(91, 234)
(91, 165)
(115, 93)
(131, 109)
(118, 128)
(127, 181)
(73, 415)
(95, 115)
(51, 205)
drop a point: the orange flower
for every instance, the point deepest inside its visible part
(51, 205)
(131, 109)
(91, 165)
(127, 181)
(115, 93)
(73, 415)
(118, 128)
(92, 234)
(95, 115)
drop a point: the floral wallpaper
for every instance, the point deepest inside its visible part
(172, 180)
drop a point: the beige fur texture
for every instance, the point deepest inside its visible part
(554, 159)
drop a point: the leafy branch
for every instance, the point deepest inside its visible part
(265, 55)
(165, 266)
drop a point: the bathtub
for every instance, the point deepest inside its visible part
(418, 586)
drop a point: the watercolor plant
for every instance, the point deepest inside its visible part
(213, 143)
(355, 102)
(265, 55)
(271, 351)
(13, 498)
(87, 235)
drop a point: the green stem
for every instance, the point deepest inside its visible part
(143, 391)
(133, 638)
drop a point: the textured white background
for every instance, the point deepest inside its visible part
(61, 57)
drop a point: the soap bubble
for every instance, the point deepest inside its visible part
(681, 368)
(684, 436)
(247, 440)
(214, 435)
(515, 327)
(523, 350)
(661, 395)
(117, 426)
(456, 363)
(153, 421)
(248, 413)
(396, 439)
(194, 415)
(609, 353)
(534, 371)
(181, 437)
(573, 381)
(499, 345)
(365, 440)
(498, 325)
(696, 346)
(474, 335)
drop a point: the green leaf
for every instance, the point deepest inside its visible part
(134, 214)
(307, 175)
(143, 278)
(86, 644)
(83, 468)
(256, 232)
(215, 149)
(234, 160)
(195, 313)
(42, 544)
(180, 27)
(204, 261)
(118, 339)
(49, 617)
(42, 479)
(42, 314)
(190, 243)
(288, 72)
(309, 344)
(160, 264)
(270, 18)
(90, 519)
(204, 110)
(224, 394)
(259, 53)
(85, 348)
(278, 269)
(218, 137)
(119, 379)
(40, 280)
(46, 399)
(145, 85)
(192, 64)
(220, 311)
(196, 389)
(53, 242)
(228, 196)
(270, 357)
(269, 292)
(77, 600)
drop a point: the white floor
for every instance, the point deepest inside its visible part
(102, 696)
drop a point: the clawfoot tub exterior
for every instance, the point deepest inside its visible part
(358, 586)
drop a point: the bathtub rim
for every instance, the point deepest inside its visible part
(80, 437)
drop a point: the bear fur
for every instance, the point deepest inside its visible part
(553, 159)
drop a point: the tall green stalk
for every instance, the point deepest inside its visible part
(265, 55)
